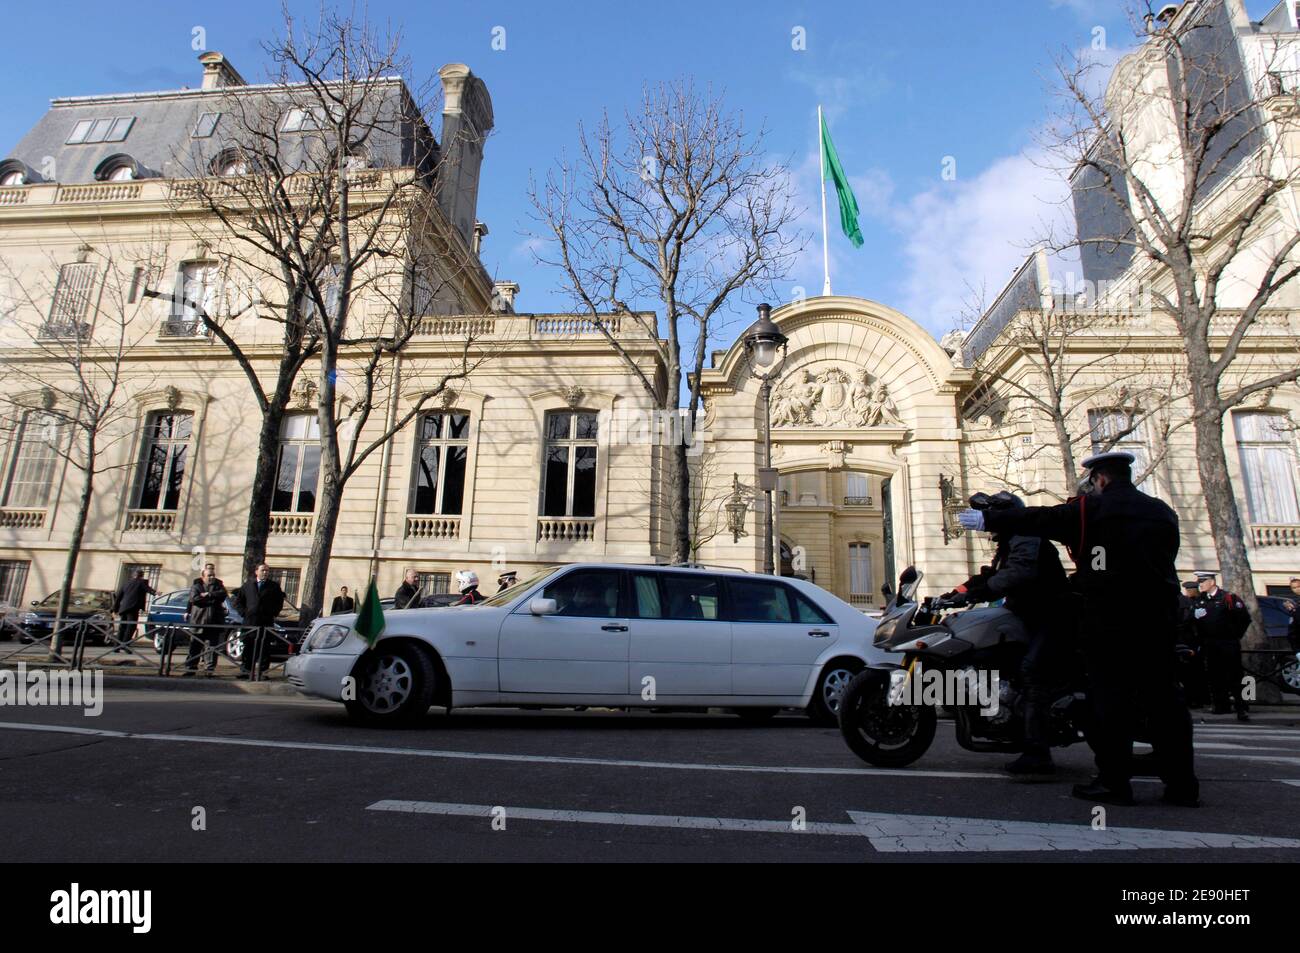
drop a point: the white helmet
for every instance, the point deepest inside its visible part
(466, 579)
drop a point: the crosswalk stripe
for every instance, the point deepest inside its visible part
(887, 833)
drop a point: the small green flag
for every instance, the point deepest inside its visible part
(370, 617)
(832, 170)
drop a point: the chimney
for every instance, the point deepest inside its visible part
(480, 232)
(217, 72)
(503, 297)
(466, 121)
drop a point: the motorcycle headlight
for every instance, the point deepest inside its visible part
(327, 637)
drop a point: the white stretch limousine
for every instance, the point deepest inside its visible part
(598, 634)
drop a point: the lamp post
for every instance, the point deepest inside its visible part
(765, 348)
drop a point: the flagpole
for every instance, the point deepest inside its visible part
(826, 255)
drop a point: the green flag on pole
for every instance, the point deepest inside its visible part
(370, 618)
(832, 170)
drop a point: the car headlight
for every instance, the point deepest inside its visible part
(327, 637)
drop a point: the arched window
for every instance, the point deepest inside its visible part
(569, 464)
(298, 470)
(441, 450)
(162, 470)
(35, 457)
(12, 178)
(1268, 466)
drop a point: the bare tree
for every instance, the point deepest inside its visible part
(1037, 377)
(1188, 164)
(326, 193)
(77, 323)
(679, 209)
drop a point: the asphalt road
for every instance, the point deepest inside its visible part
(283, 778)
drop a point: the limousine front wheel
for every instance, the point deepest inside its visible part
(394, 683)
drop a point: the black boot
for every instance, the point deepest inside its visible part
(1182, 795)
(1031, 763)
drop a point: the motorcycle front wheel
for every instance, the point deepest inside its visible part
(885, 735)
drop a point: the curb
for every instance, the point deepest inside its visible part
(216, 686)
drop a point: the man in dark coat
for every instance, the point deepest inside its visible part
(128, 602)
(207, 613)
(343, 603)
(407, 595)
(1027, 573)
(1221, 620)
(259, 601)
(1292, 607)
(1124, 544)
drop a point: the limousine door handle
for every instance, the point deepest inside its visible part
(614, 628)
(819, 633)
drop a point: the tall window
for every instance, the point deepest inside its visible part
(198, 284)
(857, 492)
(162, 474)
(1113, 429)
(298, 471)
(569, 477)
(289, 580)
(13, 580)
(1268, 466)
(442, 447)
(860, 569)
(71, 302)
(36, 454)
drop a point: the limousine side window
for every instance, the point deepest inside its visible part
(687, 597)
(806, 611)
(649, 604)
(757, 601)
(586, 592)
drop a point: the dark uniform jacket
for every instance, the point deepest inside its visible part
(469, 597)
(1221, 617)
(1026, 571)
(130, 598)
(342, 604)
(207, 602)
(1124, 544)
(259, 607)
(405, 597)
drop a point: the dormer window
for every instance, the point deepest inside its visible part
(118, 168)
(230, 162)
(10, 179)
(204, 128)
(111, 129)
(300, 119)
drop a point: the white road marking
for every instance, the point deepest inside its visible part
(887, 833)
(496, 756)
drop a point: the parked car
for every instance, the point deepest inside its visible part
(92, 604)
(170, 609)
(1277, 623)
(602, 635)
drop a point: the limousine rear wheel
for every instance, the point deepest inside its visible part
(835, 677)
(394, 683)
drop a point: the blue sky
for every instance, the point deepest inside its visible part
(904, 85)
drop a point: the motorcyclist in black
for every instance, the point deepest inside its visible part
(1027, 573)
(1124, 544)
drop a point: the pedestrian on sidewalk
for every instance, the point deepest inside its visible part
(127, 603)
(207, 614)
(259, 601)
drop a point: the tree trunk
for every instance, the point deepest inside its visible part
(682, 550)
(322, 546)
(1221, 505)
(258, 528)
(74, 552)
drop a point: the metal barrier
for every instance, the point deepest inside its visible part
(1279, 666)
(89, 642)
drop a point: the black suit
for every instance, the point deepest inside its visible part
(1124, 544)
(127, 603)
(343, 604)
(259, 604)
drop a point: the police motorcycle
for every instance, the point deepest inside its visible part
(973, 656)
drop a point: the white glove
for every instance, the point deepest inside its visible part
(971, 519)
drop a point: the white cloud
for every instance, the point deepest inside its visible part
(962, 240)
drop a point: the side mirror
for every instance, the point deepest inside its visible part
(541, 606)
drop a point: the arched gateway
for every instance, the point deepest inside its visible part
(865, 432)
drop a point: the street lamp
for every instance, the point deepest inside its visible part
(765, 348)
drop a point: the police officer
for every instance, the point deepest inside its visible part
(507, 579)
(1027, 572)
(1221, 620)
(467, 585)
(1124, 544)
(1191, 661)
